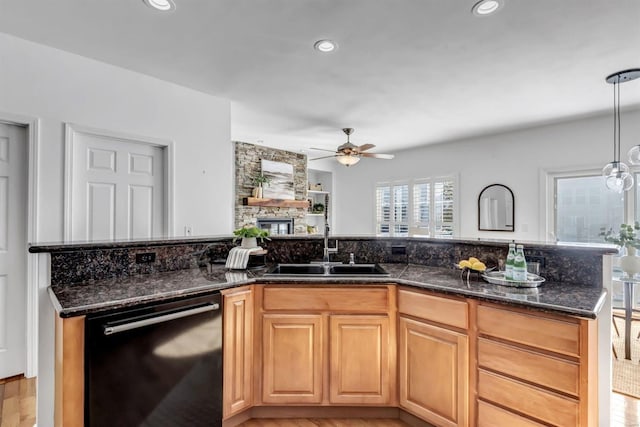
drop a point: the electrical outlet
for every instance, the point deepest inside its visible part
(188, 230)
(398, 250)
(145, 257)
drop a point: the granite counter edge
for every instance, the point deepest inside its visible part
(81, 310)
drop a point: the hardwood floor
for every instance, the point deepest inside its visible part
(625, 411)
(18, 397)
(18, 409)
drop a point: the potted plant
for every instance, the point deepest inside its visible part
(249, 235)
(627, 238)
(258, 181)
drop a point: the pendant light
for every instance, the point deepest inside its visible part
(616, 173)
(625, 76)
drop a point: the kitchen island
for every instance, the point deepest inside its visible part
(113, 294)
(474, 329)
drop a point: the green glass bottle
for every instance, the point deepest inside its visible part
(520, 265)
(508, 267)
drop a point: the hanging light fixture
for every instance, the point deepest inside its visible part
(348, 159)
(634, 153)
(616, 173)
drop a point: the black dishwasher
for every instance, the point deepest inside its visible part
(155, 366)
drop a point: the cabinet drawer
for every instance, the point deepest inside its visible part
(548, 334)
(362, 300)
(547, 371)
(543, 405)
(437, 309)
(492, 416)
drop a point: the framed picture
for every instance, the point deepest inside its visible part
(280, 180)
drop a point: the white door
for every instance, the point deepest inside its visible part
(13, 250)
(116, 188)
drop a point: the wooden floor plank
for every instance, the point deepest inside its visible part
(12, 389)
(1, 399)
(625, 411)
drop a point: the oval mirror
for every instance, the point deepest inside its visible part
(495, 208)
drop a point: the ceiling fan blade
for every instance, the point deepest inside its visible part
(365, 147)
(323, 157)
(378, 155)
(322, 149)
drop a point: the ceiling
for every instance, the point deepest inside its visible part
(406, 73)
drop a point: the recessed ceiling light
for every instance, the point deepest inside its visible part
(486, 7)
(325, 46)
(163, 5)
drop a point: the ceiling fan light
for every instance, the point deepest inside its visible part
(348, 160)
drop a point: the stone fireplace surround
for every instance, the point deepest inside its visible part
(247, 165)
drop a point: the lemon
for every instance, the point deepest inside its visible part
(464, 264)
(473, 260)
(478, 266)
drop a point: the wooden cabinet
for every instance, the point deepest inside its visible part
(69, 371)
(535, 368)
(328, 345)
(359, 364)
(433, 359)
(292, 358)
(237, 351)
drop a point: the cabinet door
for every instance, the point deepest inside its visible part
(434, 373)
(359, 365)
(237, 352)
(292, 358)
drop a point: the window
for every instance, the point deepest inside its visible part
(583, 205)
(423, 207)
(392, 209)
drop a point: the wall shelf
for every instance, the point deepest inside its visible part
(316, 222)
(280, 203)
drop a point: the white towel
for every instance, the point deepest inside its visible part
(239, 257)
(236, 276)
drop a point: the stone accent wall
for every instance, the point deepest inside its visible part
(247, 165)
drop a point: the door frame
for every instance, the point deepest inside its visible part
(166, 145)
(33, 166)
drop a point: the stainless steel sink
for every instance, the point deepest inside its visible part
(333, 270)
(358, 269)
(296, 270)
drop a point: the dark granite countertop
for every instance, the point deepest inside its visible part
(104, 295)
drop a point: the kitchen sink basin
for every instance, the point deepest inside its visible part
(358, 269)
(296, 270)
(333, 270)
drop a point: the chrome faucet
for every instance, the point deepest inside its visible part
(327, 249)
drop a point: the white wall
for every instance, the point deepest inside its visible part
(515, 159)
(57, 87)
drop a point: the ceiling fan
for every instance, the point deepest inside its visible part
(349, 154)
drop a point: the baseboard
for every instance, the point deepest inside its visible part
(237, 419)
(259, 412)
(412, 420)
(323, 412)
